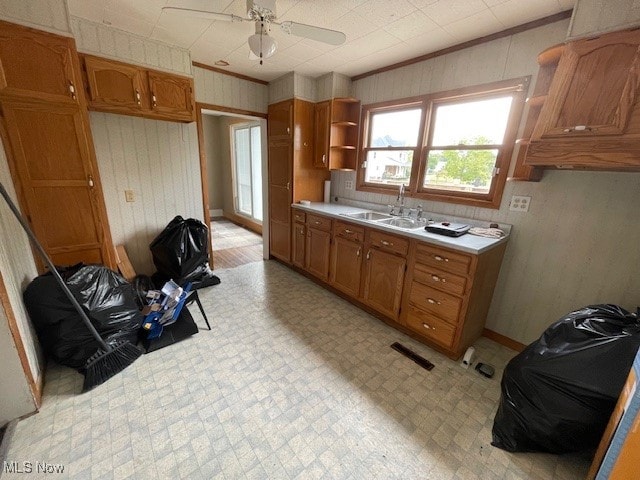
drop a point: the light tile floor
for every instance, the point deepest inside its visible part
(293, 382)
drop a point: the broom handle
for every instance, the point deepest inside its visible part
(53, 270)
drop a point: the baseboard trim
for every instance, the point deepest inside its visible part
(503, 340)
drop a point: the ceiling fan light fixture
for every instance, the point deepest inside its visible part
(261, 44)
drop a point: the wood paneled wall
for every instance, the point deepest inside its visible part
(104, 41)
(50, 15)
(157, 160)
(216, 88)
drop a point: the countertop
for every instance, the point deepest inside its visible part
(466, 243)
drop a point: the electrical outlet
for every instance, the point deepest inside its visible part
(519, 203)
(348, 184)
(129, 196)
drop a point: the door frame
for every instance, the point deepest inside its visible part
(204, 179)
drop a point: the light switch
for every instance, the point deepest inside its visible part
(129, 196)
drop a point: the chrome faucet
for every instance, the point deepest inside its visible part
(401, 199)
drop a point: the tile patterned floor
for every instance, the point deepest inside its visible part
(292, 383)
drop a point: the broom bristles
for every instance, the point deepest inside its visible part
(103, 365)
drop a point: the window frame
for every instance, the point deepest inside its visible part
(518, 86)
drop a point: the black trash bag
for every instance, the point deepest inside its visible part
(107, 299)
(558, 394)
(180, 248)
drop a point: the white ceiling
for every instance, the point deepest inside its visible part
(379, 32)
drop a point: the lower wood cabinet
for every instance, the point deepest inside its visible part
(346, 265)
(440, 295)
(383, 280)
(317, 252)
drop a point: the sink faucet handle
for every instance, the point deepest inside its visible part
(419, 214)
(391, 208)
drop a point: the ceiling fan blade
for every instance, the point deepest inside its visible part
(324, 35)
(189, 12)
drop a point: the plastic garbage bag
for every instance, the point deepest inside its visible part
(180, 253)
(108, 300)
(558, 394)
(180, 248)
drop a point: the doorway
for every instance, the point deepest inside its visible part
(233, 158)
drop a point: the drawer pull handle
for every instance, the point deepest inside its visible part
(440, 259)
(436, 278)
(72, 90)
(433, 302)
(317, 222)
(428, 327)
(154, 100)
(578, 128)
(368, 254)
(347, 231)
(386, 244)
(137, 97)
(302, 232)
(358, 253)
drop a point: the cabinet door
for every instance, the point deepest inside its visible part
(594, 88)
(171, 95)
(321, 134)
(384, 277)
(346, 265)
(280, 120)
(280, 201)
(37, 64)
(114, 86)
(318, 250)
(60, 186)
(299, 239)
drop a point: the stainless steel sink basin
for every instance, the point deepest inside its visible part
(367, 215)
(403, 222)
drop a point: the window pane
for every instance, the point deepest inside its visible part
(460, 170)
(480, 122)
(243, 170)
(388, 167)
(395, 129)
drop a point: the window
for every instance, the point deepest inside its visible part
(452, 146)
(247, 170)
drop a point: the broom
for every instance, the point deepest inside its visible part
(109, 360)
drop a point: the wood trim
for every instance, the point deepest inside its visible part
(204, 181)
(35, 387)
(227, 72)
(238, 111)
(503, 340)
(471, 43)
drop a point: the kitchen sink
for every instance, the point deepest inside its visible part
(369, 216)
(402, 222)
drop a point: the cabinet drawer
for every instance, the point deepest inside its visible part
(433, 277)
(388, 242)
(430, 326)
(299, 216)
(320, 223)
(445, 306)
(443, 259)
(349, 231)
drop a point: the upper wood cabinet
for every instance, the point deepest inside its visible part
(114, 86)
(119, 87)
(591, 117)
(38, 65)
(280, 121)
(321, 134)
(171, 95)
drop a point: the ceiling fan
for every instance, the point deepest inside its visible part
(263, 14)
